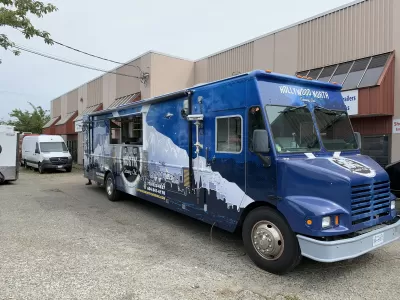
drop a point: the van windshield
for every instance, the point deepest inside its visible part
(292, 128)
(53, 147)
(335, 129)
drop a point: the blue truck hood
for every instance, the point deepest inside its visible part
(329, 178)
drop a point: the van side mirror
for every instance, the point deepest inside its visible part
(37, 151)
(260, 141)
(358, 139)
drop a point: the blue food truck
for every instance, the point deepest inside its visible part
(274, 156)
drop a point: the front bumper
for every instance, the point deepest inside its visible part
(50, 166)
(333, 251)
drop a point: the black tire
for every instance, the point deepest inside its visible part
(285, 245)
(40, 168)
(68, 170)
(112, 193)
(25, 165)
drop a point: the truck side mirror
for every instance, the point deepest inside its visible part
(358, 139)
(260, 141)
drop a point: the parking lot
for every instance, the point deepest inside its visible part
(61, 239)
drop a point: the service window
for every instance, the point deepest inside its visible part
(229, 134)
(115, 130)
(132, 130)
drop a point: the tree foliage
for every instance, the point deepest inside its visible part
(15, 13)
(29, 121)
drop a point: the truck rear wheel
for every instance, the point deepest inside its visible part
(269, 241)
(111, 189)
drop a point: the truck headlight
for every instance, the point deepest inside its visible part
(326, 222)
(393, 205)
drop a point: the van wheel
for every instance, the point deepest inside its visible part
(40, 168)
(68, 170)
(269, 241)
(112, 193)
(24, 164)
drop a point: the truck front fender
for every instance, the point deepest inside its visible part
(298, 209)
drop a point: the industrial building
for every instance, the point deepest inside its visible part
(354, 45)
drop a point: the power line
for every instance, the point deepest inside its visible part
(72, 63)
(99, 57)
(92, 55)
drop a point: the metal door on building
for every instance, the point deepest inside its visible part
(73, 150)
(376, 147)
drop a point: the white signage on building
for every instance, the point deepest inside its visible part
(396, 125)
(78, 126)
(350, 99)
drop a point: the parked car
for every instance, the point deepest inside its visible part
(46, 152)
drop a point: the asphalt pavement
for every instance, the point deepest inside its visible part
(61, 239)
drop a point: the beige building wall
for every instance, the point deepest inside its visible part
(95, 92)
(264, 53)
(109, 89)
(55, 108)
(361, 30)
(64, 105)
(72, 101)
(201, 71)
(170, 74)
(286, 51)
(126, 85)
(146, 66)
(82, 95)
(396, 42)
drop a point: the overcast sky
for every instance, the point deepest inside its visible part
(123, 29)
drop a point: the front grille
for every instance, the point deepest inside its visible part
(59, 161)
(370, 201)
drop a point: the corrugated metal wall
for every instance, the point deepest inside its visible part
(360, 30)
(72, 101)
(95, 92)
(231, 62)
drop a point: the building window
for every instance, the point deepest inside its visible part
(256, 121)
(314, 73)
(303, 73)
(341, 72)
(374, 71)
(229, 134)
(376, 147)
(356, 73)
(326, 73)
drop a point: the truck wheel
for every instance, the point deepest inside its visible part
(112, 193)
(269, 241)
(68, 170)
(40, 168)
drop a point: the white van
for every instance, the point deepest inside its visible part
(9, 165)
(45, 152)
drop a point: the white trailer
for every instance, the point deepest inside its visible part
(9, 162)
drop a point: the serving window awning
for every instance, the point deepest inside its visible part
(88, 110)
(51, 122)
(125, 100)
(355, 74)
(66, 118)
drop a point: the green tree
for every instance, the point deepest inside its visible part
(29, 121)
(15, 13)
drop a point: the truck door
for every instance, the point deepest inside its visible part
(225, 156)
(261, 177)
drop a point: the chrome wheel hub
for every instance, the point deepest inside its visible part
(110, 186)
(267, 240)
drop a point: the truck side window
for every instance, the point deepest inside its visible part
(229, 134)
(255, 121)
(115, 132)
